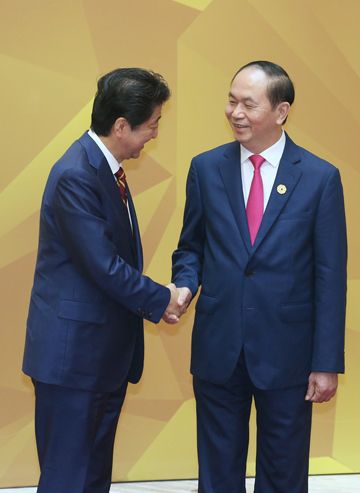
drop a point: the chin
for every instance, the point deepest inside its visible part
(240, 139)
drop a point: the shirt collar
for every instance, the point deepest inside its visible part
(272, 154)
(113, 163)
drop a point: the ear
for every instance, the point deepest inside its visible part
(121, 126)
(282, 111)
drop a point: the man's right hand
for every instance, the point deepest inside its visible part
(179, 301)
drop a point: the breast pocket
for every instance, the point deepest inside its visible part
(296, 216)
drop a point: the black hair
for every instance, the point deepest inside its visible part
(131, 93)
(280, 87)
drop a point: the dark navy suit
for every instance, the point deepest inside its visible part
(267, 314)
(84, 338)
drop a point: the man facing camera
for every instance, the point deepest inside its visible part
(84, 339)
(264, 235)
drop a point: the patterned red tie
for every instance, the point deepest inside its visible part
(121, 183)
(255, 203)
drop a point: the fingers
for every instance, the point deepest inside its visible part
(322, 387)
(170, 318)
(184, 296)
(179, 300)
(310, 392)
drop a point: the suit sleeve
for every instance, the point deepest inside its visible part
(330, 278)
(188, 257)
(87, 237)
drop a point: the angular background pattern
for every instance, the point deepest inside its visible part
(51, 54)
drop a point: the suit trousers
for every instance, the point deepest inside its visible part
(283, 435)
(75, 432)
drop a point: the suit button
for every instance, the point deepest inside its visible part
(249, 273)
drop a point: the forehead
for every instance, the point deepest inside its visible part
(251, 80)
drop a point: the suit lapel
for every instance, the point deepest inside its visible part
(288, 174)
(106, 178)
(136, 232)
(230, 171)
(108, 181)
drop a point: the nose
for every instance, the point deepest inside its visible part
(238, 111)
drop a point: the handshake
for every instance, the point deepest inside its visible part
(179, 301)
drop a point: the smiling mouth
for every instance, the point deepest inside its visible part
(237, 125)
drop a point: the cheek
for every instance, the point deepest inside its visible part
(141, 139)
(147, 136)
(257, 121)
(228, 111)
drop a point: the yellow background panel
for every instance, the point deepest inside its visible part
(195, 4)
(51, 56)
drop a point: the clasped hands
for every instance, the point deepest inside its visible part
(179, 301)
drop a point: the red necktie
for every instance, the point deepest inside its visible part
(255, 203)
(121, 182)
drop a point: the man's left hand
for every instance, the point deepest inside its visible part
(322, 386)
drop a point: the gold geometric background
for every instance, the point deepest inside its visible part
(51, 56)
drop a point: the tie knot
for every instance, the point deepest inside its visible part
(120, 174)
(121, 182)
(257, 160)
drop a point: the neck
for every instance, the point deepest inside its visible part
(258, 147)
(110, 144)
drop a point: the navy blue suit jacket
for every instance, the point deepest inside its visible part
(281, 300)
(89, 298)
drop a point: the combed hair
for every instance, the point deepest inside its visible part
(280, 87)
(131, 93)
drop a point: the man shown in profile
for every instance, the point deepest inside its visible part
(84, 338)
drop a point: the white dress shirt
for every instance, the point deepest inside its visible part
(112, 161)
(268, 169)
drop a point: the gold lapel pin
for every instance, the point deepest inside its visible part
(281, 189)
